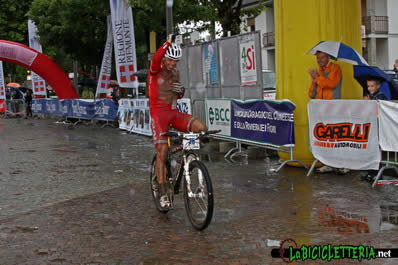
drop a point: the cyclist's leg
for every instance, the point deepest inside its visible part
(187, 123)
(159, 125)
(198, 126)
(161, 156)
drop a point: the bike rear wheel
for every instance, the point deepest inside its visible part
(199, 200)
(153, 180)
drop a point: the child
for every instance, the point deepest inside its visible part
(374, 92)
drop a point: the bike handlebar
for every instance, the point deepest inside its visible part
(180, 134)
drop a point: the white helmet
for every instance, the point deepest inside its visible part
(174, 52)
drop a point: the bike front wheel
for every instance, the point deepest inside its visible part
(198, 196)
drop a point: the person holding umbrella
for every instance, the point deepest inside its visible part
(325, 83)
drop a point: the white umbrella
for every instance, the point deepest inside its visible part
(340, 52)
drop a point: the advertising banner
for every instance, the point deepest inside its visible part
(134, 115)
(344, 133)
(106, 66)
(2, 83)
(184, 105)
(38, 83)
(106, 109)
(82, 108)
(388, 122)
(270, 122)
(218, 115)
(248, 70)
(123, 113)
(210, 64)
(124, 43)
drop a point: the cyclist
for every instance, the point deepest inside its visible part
(164, 90)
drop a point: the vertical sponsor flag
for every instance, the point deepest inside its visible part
(106, 66)
(124, 42)
(38, 83)
(248, 67)
(2, 90)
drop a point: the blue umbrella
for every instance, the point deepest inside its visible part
(339, 51)
(363, 73)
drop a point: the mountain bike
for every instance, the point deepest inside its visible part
(184, 163)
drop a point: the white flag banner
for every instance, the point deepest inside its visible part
(388, 123)
(124, 42)
(38, 83)
(344, 133)
(106, 66)
(2, 84)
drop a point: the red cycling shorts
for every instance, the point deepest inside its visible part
(162, 118)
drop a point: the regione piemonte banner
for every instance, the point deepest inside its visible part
(38, 83)
(106, 66)
(124, 43)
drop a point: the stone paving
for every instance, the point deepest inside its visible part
(82, 196)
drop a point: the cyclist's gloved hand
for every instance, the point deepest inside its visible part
(178, 88)
(171, 37)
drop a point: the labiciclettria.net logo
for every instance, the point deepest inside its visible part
(289, 251)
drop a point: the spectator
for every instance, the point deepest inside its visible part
(374, 90)
(395, 66)
(87, 93)
(374, 94)
(28, 102)
(326, 84)
(14, 101)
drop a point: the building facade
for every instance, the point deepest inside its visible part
(379, 32)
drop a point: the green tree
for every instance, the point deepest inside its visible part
(75, 27)
(14, 27)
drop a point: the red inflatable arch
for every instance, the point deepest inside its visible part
(40, 64)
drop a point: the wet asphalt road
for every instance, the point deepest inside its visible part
(81, 196)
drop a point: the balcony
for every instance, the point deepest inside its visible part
(375, 24)
(268, 39)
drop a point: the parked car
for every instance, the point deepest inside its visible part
(269, 84)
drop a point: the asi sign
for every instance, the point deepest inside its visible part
(248, 67)
(218, 115)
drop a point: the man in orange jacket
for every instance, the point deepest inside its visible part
(326, 83)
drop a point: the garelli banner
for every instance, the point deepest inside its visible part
(344, 133)
(124, 43)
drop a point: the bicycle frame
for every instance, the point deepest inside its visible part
(187, 157)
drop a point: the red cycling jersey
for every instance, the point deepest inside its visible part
(160, 82)
(162, 100)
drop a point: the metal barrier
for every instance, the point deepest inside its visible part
(14, 107)
(390, 161)
(237, 150)
(199, 111)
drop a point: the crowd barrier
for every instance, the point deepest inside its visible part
(11, 108)
(355, 134)
(80, 109)
(264, 123)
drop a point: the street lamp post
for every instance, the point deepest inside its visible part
(169, 16)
